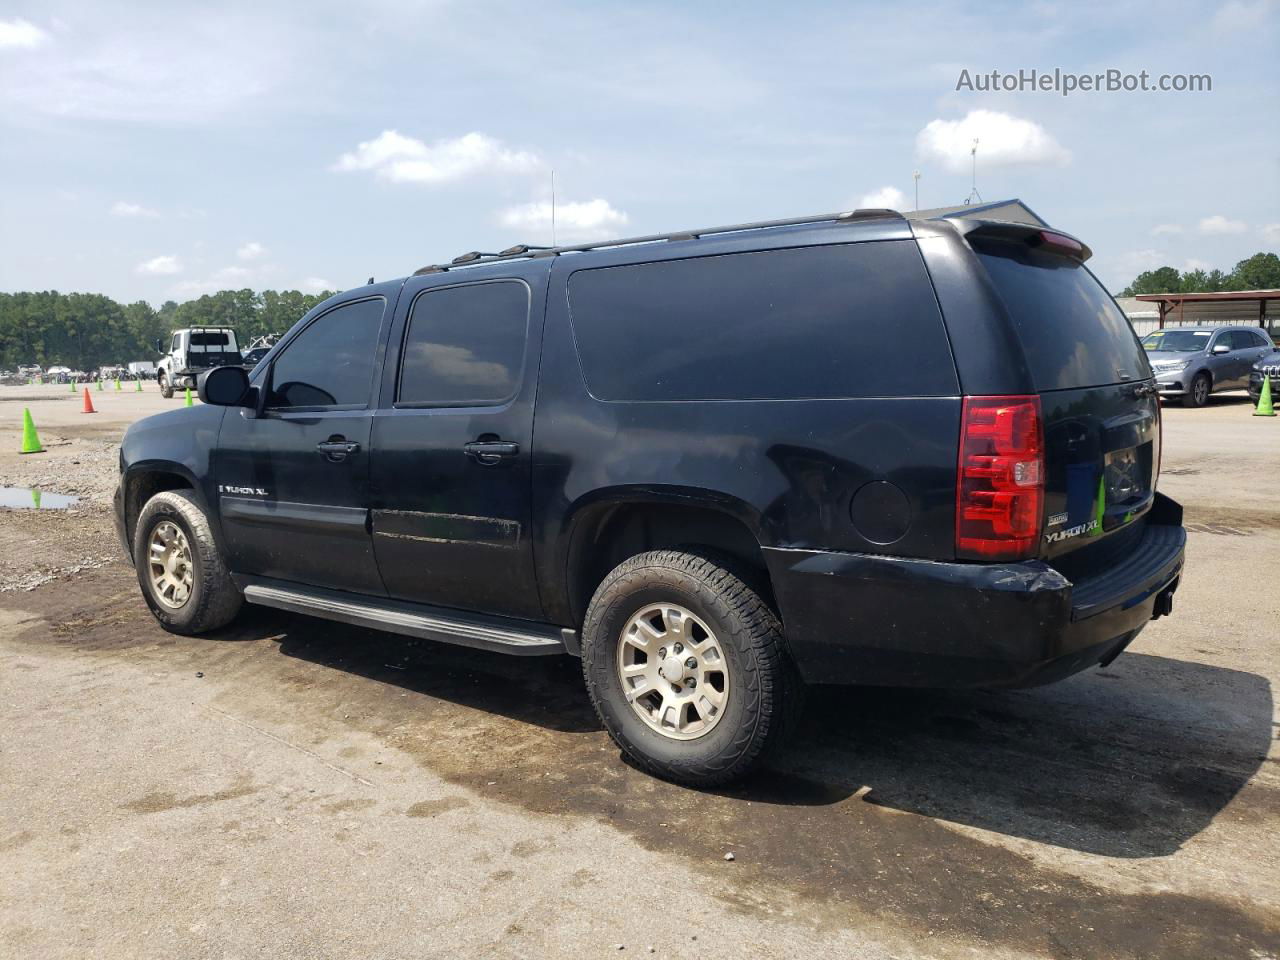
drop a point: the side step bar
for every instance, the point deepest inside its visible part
(415, 620)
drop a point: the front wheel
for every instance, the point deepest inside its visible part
(166, 388)
(1198, 394)
(182, 575)
(685, 666)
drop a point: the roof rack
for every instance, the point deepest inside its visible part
(527, 251)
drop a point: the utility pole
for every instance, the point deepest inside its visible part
(916, 177)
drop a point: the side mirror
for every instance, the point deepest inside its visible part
(159, 345)
(1221, 348)
(223, 386)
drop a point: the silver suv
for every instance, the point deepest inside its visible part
(1192, 362)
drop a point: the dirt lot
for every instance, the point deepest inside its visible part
(294, 788)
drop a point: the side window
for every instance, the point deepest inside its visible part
(802, 323)
(1240, 340)
(330, 363)
(1259, 339)
(177, 341)
(465, 345)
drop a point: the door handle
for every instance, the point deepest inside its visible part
(490, 452)
(337, 449)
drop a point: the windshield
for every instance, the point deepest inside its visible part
(1177, 341)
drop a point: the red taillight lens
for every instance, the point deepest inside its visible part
(1000, 478)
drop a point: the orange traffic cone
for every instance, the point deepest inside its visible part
(88, 402)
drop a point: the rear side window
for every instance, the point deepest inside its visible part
(465, 345)
(853, 320)
(330, 363)
(1072, 332)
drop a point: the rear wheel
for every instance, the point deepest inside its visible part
(1197, 394)
(686, 668)
(183, 578)
(166, 388)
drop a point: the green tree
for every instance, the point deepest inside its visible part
(1259, 272)
(1163, 280)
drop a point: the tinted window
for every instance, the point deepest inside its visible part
(209, 339)
(854, 320)
(1072, 332)
(330, 363)
(465, 344)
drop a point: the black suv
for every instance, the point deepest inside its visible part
(715, 465)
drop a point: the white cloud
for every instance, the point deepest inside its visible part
(1193, 264)
(1270, 233)
(21, 34)
(1002, 140)
(315, 285)
(1240, 17)
(160, 265)
(576, 222)
(122, 209)
(1163, 229)
(890, 198)
(251, 251)
(1220, 224)
(401, 159)
(1136, 261)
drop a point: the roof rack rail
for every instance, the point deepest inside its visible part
(524, 250)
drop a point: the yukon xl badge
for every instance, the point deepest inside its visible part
(251, 491)
(1076, 531)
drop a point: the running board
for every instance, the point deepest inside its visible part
(414, 620)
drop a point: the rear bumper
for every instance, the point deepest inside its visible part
(864, 619)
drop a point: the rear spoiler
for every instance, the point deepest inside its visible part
(1052, 241)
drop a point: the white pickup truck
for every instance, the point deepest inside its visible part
(192, 351)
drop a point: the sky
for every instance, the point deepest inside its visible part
(161, 150)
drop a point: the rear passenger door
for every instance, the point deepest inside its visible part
(452, 441)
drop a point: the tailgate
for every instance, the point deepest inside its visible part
(1100, 412)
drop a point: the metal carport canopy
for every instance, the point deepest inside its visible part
(1228, 306)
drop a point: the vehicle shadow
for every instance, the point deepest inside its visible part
(546, 691)
(1131, 761)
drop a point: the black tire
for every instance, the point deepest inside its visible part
(1198, 391)
(764, 692)
(214, 600)
(166, 388)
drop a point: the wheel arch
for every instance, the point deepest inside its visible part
(144, 480)
(613, 526)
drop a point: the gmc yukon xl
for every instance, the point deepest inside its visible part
(716, 466)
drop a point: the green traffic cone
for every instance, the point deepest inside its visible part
(1265, 407)
(30, 439)
(99, 384)
(35, 497)
(117, 383)
(73, 385)
(139, 383)
(189, 396)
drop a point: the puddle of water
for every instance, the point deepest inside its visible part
(32, 498)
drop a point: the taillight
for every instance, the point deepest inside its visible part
(1000, 478)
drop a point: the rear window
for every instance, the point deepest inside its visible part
(1071, 330)
(852, 320)
(209, 339)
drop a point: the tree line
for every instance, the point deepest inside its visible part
(88, 330)
(1259, 272)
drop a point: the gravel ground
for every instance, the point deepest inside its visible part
(294, 788)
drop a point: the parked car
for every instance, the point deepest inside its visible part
(1192, 362)
(735, 486)
(251, 357)
(1268, 365)
(191, 351)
